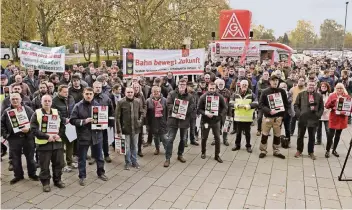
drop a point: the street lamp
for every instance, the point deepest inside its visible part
(344, 32)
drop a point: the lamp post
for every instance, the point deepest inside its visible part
(344, 32)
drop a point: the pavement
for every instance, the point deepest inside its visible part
(242, 181)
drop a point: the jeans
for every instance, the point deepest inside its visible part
(320, 129)
(246, 127)
(160, 138)
(170, 143)
(97, 155)
(260, 119)
(192, 131)
(336, 140)
(215, 128)
(311, 138)
(131, 148)
(293, 124)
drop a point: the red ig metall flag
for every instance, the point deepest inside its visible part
(245, 49)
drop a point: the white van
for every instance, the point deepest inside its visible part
(5, 52)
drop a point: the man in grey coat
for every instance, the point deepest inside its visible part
(309, 107)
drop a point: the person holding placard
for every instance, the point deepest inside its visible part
(212, 107)
(244, 104)
(87, 136)
(192, 129)
(45, 124)
(340, 104)
(15, 128)
(180, 105)
(129, 115)
(274, 104)
(309, 107)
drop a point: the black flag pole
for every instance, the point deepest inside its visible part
(344, 164)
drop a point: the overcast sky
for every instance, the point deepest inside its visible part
(282, 15)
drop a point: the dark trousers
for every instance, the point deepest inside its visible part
(150, 136)
(293, 124)
(3, 149)
(246, 127)
(140, 141)
(215, 128)
(170, 143)
(311, 138)
(320, 130)
(260, 119)
(287, 123)
(332, 133)
(16, 147)
(97, 155)
(105, 143)
(75, 148)
(57, 158)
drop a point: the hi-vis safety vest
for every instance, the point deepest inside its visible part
(39, 119)
(242, 114)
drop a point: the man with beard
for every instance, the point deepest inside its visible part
(36, 102)
(20, 141)
(139, 95)
(81, 117)
(25, 89)
(294, 92)
(76, 91)
(64, 103)
(274, 104)
(210, 119)
(177, 121)
(15, 88)
(226, 94)
(309, 107)
(202, 88)
(244, 105)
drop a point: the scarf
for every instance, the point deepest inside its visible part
(158, 108)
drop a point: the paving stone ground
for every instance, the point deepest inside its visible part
(242, 181)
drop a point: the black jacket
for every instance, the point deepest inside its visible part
(307, 117)
(37, 102)
(173, 122)
(264, 103)
(77, 94)
(157, 125)
(6, 127)
(40, 135)
(65, 107)
(129, 116)
(223, 109)
(85, 135)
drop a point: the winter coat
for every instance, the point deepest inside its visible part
(307, 117)
(222, 108)
(338, 122)
(129, 116)
(37, 102)
(172, 82)
(6, 127)
(196, 99)
(227, 97)
(77, 94)
(146, 90)
(106, 89)
(32, 84)
(173, 122)
(264, 102)
(157, 125)
(166, 89)
(262, 85)
(228, 83)
(65, 107)
(85, 135)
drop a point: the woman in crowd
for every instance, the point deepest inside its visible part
(325, 91)
(337, 121)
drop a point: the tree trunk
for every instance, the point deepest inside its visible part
(97, 52)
